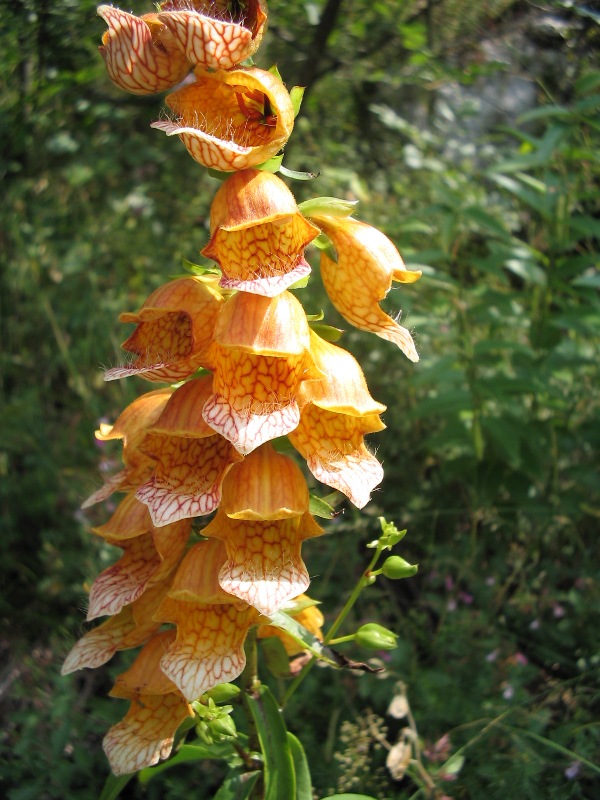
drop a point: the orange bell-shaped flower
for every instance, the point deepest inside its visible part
(213, 42)
(131, 627)
(175, 326)
(131, 427)
(141, 54)
(337, 412)
(150, 555)
(145, 735)
(258, 235)
(260, 357)
(231, 120)
(367, 263)
(211, 625)
(263, 520)
(190, 459)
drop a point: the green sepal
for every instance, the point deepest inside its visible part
(278, 774)
(320, 508)
(390, 535)
(296, 96)
(297, 175)
(302, 283)
(208, 267)
(327, 207)
(238, 786)
(327, 332)
(114, 785)
(316, 317)
(220, 176)
(303, 781)
(324, 243)
(271, 164)
(274, 70)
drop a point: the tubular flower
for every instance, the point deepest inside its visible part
(263, 520)
(189, 459)
(258, 235)
(175, 326)
(150, 554)
(367, 263)
(211, 625)
(337, 412)
(260, 357)
(131, 627)
(231, 120)
(131, 426)
(141, 54)
(206, 39)
(308, 616)
(157, 709)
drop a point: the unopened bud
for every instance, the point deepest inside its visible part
(375, 637)
(223, 692)
(223, 727)
(395, 567)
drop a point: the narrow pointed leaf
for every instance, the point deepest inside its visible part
(279, 775)
(303, 781)
(114, 786)
(237, 786)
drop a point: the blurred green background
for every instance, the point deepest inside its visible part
(470, 133)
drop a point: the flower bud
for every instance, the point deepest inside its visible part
(375, 637)
(223, 692)
(223, 727)
(395, 567)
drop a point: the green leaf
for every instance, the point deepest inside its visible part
(305, 638)
(587, 83)
(327, 332)
(486, 222)
(545, 112)
(328, 207)
(238, 786)
(303, 781)
(114, 786)
(298, 176)
(296, 95)
(279, 774)
(320, 508)
(193, 752)
(588, 281)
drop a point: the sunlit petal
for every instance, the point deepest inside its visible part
(258, 234)
(231, 120)
(367, 263)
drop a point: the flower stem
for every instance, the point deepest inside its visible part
(364, 580)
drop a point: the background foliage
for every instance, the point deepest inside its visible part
(470, 131)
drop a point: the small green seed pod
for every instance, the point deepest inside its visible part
(395, 567)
